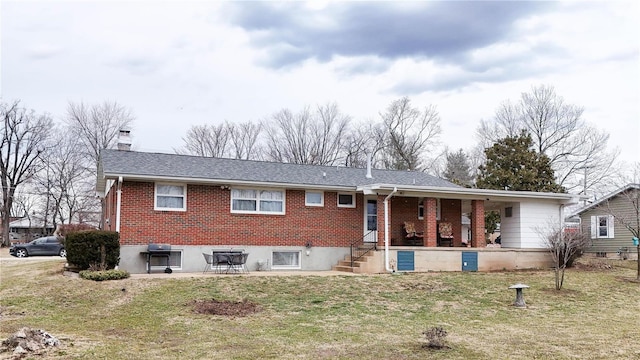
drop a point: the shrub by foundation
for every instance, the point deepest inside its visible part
(98, 250)
(104, 275)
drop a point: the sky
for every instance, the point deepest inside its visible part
(176, 64)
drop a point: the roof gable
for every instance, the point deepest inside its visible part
(606, 198)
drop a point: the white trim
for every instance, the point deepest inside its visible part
(321, 204)
(468, 194)
(155, 197)
(353, 198)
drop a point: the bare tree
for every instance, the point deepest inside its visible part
(360, 141)
(24, 140)
(558, 131)
(65, 184)
(97, 126)
(409, 133)
(307, 137)
(228, 140)
(565, 246)
(244, 140)
(206, 140)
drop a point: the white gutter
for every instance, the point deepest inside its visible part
(118, 203)
(386, 230)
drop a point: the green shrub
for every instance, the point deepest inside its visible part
(98, 250)
(104, 275)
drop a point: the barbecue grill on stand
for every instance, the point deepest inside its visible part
(158, 251)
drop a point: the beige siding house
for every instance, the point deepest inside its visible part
(603, 221)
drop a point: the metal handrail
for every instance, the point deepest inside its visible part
(360, 248)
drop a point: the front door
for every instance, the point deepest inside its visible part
(371, 220)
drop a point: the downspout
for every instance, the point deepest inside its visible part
(118, 203)
(386, 230)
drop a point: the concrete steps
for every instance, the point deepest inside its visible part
(345, 265)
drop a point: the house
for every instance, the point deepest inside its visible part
(307, 217)
(603, 221)
(28, 228)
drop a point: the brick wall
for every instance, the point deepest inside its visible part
(208, 220)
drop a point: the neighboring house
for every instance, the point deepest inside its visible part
(603, 222)
(308, 217)
(28, 228)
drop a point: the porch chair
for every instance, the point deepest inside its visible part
(445, 234)
(411, 234)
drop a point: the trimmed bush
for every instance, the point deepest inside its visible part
(93, 249)
(104, 275)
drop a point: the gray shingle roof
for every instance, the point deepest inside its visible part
(115, 163)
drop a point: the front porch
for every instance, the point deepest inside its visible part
(427, 218)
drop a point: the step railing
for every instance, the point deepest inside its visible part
(360, 248)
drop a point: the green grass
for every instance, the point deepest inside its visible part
(595, 316)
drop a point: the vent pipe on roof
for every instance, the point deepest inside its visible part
(369, 176)
(124, 140)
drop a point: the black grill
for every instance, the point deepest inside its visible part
(160, 251)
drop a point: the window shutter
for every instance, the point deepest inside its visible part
(611, 225)
(594, 227)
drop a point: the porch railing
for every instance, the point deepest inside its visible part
(360, 248)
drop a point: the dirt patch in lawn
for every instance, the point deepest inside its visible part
(226, 308)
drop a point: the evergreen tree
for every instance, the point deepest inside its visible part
(512, 164)
(458, 170)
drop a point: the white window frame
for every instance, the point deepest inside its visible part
(306, 199)
(287, 267)
(353, 200)
(257, 199)
(595, 227)
(183, 196)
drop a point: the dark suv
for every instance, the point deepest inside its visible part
(49, 245)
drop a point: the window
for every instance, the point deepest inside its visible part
(257, 201)
(508, 211)
(346, 200)
(314, 198)
(171, 197)
(285, 260)
(602, 227)
(421, 209)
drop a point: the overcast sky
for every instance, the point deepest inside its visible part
(177, 64)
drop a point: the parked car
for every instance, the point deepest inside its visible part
(48, 245)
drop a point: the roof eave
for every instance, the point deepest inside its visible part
(472, 194)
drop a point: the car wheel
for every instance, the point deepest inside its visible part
(63, 253)
(21, 253)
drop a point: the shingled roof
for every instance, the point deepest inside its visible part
(158, 166)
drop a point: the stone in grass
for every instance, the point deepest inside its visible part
(27, 340)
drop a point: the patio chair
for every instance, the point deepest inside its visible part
(210, 262)
(238, 262)
(445, 234)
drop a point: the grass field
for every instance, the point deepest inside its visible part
(595, 316)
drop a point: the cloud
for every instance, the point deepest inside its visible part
(291, 33)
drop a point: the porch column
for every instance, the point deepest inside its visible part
(477, 224)
(430, 222)
(380, 220)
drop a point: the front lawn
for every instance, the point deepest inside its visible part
(595, 316)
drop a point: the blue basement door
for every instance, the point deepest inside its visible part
(469, 261)
(406, 261)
